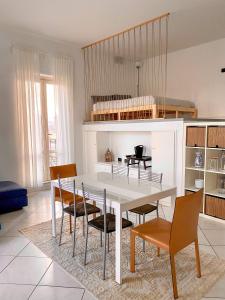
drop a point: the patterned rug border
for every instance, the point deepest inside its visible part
(102, 292)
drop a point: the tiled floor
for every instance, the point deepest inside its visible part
(26, 272)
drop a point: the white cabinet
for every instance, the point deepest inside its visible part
(103, 167)
(163, 141)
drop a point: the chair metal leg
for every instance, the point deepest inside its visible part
(143, 240)
(139, 219)
(108, 241)
(61, 228)
(83, 227)
(132, 251)
(127, 216)
(74, 236)
(157, 210)
(198, 265)
(100, 238)
(86, 243)
(70, 221)
(104, 256)
(173, 271)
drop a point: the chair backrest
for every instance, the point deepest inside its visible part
(96, 195)
(120, 170)
(69, 186)
(185, 221)
(149, 175)
(63, 171)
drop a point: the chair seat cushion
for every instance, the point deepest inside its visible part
(143, 209)
(156, 231)
(91, 209)
(9, 189)
(98, 223)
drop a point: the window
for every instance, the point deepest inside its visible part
(48, 124)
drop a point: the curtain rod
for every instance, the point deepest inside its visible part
(126, 30)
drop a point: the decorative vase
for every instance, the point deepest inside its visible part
(199, 161)
(108, 156)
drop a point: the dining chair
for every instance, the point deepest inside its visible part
(74, 210)
(145, 209)
(63, 171)
(104, 223)
(174, 236)
(120, 170)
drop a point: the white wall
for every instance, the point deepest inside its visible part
(122, 143)
(8, 148)
(194, 74)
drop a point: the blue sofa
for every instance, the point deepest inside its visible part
(12, 196)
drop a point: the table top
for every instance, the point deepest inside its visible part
(120, 189)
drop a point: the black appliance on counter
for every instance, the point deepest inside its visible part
(139, 151)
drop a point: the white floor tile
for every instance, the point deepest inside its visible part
(12, 245)
(32, 250)
(56, 293)
(25, 270)
(215, 237)
(15, 292)
(206, 248)
(57, 276)
(218, 290)
(205, 223)
(220, 251)
(201, 238)
(4, 261)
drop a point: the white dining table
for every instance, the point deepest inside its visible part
(122, 193)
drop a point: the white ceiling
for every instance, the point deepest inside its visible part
(192, 22)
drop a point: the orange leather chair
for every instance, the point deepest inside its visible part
(174, 236)
(64, 171)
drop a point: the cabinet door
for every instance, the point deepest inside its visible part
(196, 136)
(215, 207)
(100, 167)
(216, 137)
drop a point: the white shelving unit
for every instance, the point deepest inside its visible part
(213, 200)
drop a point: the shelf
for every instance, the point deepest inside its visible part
(195, 169)
(192, 188)
(216, 172)
(219, 149)
(193, 147)
(215, 193)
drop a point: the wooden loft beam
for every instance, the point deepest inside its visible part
(126, 30)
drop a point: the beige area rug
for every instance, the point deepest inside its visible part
(152, 279)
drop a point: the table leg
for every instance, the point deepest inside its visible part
(53, 210)
(173, 201)
(118, 245)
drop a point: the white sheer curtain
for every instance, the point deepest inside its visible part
(64, 101)
(28, 112)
